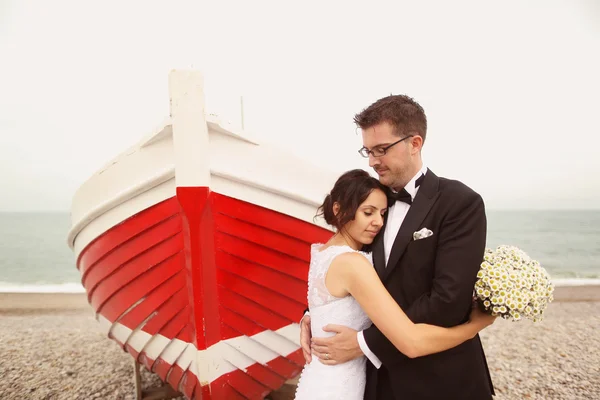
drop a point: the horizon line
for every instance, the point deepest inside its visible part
(33, 211)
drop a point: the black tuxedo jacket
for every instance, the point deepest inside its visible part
(432, 279)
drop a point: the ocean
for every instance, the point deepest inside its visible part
(34, 256)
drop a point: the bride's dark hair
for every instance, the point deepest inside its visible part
(350, 191)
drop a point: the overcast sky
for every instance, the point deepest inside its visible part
(511, 89)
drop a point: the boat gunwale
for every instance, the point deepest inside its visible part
(161, 178)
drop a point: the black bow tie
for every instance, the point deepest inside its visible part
(403, 195)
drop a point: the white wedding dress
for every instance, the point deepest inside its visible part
(329, 382)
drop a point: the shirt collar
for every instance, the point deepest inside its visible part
(410, 186)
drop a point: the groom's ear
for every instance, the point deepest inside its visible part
(417, 144)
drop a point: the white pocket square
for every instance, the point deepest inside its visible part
(422, 234)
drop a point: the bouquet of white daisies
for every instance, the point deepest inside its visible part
(512, 285)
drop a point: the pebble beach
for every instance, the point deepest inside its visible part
(53, 348)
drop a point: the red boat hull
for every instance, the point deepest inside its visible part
(205, 291)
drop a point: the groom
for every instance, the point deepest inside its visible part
(431, 274)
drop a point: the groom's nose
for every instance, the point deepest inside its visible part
(373, 161)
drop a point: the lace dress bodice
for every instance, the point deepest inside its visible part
(342, 381)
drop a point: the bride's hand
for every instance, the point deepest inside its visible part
(305, 337)
(479, 318)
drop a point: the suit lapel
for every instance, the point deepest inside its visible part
(424, 200)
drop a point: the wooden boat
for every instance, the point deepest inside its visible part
(193, 248)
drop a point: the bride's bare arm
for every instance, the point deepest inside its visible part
(353, 274)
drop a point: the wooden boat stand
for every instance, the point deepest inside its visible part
(164, 392)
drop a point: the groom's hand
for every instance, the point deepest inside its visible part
(305, 337)
(339, 348)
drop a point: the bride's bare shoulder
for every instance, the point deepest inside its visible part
(351, 260)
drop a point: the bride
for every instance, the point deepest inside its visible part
(344, 289)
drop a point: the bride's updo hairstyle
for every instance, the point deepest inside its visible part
(350, 191)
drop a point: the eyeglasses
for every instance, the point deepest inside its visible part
(379, 151)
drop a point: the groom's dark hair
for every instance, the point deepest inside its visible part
(400, 111)
(350, 190)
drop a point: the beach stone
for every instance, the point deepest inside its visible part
(64, 355)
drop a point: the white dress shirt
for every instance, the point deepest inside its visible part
(395, 217)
